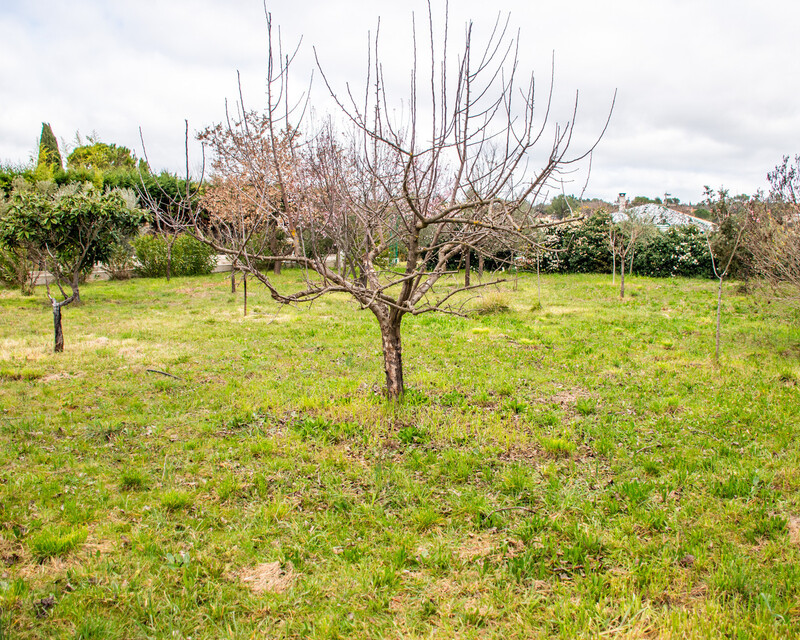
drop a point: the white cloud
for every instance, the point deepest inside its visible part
(707, 90)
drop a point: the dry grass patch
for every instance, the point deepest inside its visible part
(269, 577)
(794, 530)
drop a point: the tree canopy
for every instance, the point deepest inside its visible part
(100, 156)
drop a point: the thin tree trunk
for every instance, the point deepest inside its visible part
(244, 290)
(622, 277)
(613, 268)
(169, 261)
(233, 278)
(719, 314)
(170, 242)
(467, 266)
(58, 331)
(273, 248)
(392, 358)
(538, 279)
(480, 266)
(633, 253)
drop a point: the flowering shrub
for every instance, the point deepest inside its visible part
(678, 251)
(582, 247)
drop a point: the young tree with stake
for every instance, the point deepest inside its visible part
(68, 233)
(730, 228)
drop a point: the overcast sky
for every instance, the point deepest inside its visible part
(708, 90)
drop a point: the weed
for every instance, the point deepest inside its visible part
(94, 628)
(412, 435)
(453, 399)
(54, 542)
(768, 527)
(492, 302)
(546, 419)
(635, 491)
(585, 406)
(176, 500)
(737, 485)
(323, 430)
(134, 480)
(425, 518)
(557, 447)
(415, 398)
(21, 374)
(515, 406)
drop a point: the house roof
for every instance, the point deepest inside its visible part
(661, 216)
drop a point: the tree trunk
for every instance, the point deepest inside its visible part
(273, 249)
(480, 266)
(538, 279)
(392, 358)
(244, 290)
(622, 277)
(467, 266)
(233, 278)
(59, 332)
(613, 268)
(169, 261)
(719, 314)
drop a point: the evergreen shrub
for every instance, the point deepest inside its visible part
(190, 257)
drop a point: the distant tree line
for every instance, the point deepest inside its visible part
(101, 173)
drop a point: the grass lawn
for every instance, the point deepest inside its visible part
(576, 470)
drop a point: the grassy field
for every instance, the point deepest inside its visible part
(576, 470)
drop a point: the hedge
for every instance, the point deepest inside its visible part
(190, 257)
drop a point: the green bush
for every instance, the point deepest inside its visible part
(190, 257)
(582, 247)
(17, 269)
(678, 251)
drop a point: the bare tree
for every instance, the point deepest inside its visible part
(622, 240)
(773, 231)
(454, 175)
(729, 230)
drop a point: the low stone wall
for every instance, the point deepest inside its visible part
(99, 272)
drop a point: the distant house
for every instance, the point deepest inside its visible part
(661, 216)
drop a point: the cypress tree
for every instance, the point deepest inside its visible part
(48, 148)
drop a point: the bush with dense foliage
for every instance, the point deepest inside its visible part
(678, 251)
(583, 247)
(189, 256)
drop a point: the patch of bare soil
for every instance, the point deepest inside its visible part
(794, 530)
(520, 453)
(53, 377)
(268, 577)
(49, 570)
(12, 553)
(477, 546)
(567, 398)
(99, 546)
(483, 545)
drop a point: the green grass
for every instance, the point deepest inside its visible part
(576, 470)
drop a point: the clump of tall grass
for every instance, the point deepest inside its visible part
(492, 302)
